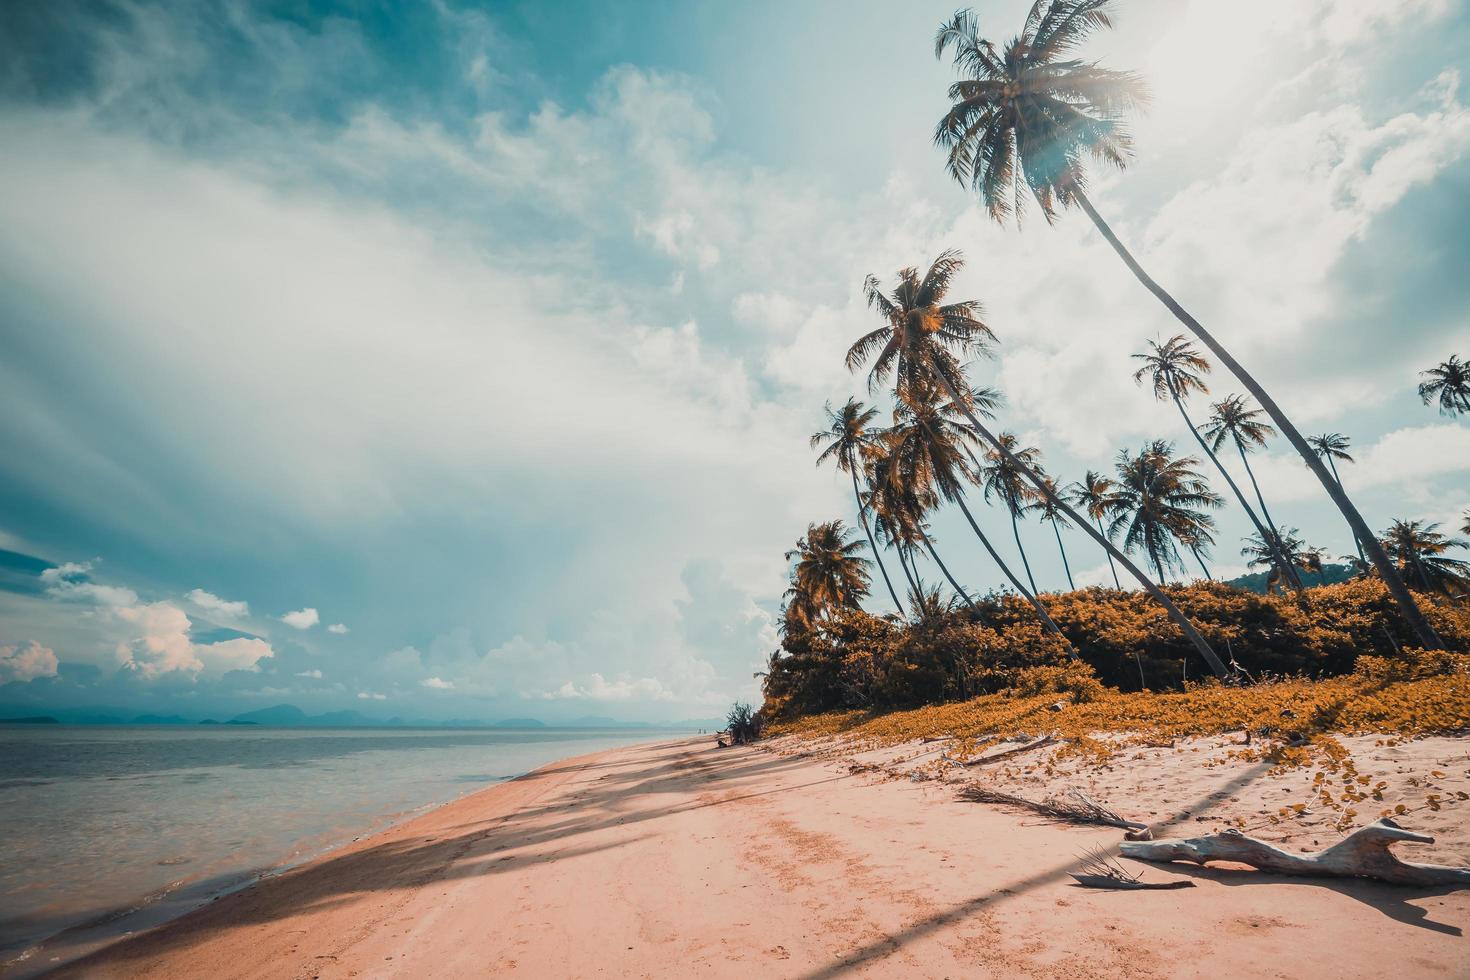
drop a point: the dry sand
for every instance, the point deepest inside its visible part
(681, 859)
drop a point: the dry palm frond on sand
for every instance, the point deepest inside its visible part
(1101, 871)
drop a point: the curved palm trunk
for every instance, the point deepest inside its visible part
(863, 520)
(1270, 540)
(1390, 575)
(914, 584)
(1016, 532)
(1194, 636)
(1356, 543)
(1292, 578)
(1046, 620)
(929, 545)
(1071, 586)
(1116, 584)
(1200, 559)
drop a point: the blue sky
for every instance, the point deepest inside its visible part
(448, 360)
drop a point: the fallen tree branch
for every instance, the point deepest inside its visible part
(1362, 854)
(1080, 808)
(986, 760)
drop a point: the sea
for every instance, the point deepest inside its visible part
(107, 830)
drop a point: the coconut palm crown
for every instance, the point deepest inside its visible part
(1448, 383)
(830, 572)
(1420, 549)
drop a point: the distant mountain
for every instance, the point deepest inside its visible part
(280, 714)
(160, 720)
(31, 720)
(1331, 575)
(518, 723)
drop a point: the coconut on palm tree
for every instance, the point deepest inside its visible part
(1175, 369)
(933, 448)
(1233, 419)
(1448, 383)
(1159, 503)
(1333, 446)
(1025, 121)
(845, 439)
(1002, 476)
(830, 572)
(918, 344)
(1092, 494)
(1420, 549)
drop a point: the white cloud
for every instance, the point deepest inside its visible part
(438, 684)
(1410, 458)
(301, 619)
(70, 581)
(159, 644)
(23, 664)
(315, 675)
(371, 696)
(338, 628)
(597, 688)
(213, 604)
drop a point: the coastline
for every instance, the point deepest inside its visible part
(678, 858)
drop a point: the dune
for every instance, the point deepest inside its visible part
(787, 859)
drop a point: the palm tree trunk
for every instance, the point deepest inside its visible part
(1289, 570)
(1071, 586)
(1116, 584)
(1386, 570)
(1356, 543)
(1208, 576)
(1046, 620)
(1016, 531)
(863, 520)
(1188, 628)
(1271, 542)
(945, 569)
(903, 563)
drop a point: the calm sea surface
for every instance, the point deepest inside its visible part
(111, 829)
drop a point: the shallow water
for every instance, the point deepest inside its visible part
(119, 827)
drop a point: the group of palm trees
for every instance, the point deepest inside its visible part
(1026, 118)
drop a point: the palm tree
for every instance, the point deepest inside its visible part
(846, 438)
(1046, 506)
(1449, 382)
(1092, 494)
(918, 341)
(1235, 420)
(1175, 370)
(908, 500)
(1260, 554)
(1419, 549)
(1024, 120)
(929, 440)
(1465, 522)
(1159, 503)
(1333, 446)
(1003, 479)
(830, 571)
(890, 518)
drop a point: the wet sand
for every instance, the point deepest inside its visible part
(681, 859)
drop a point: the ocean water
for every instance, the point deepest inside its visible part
(107, 830)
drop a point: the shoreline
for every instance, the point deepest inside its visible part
(677, 858)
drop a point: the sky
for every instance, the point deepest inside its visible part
(457, 360)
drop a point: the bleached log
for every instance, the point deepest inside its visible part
(1362, 854)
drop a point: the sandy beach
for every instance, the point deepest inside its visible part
(682, 859)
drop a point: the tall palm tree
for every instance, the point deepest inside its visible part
(1233, 419)
(830, 572)
(1332, 446)
(1024, 122)
(1003, 479)
(934, 447)
(1260, 554)
(1175, 369)
(1046, 506)
(1420, 549)
(1092, 494)
(1159, 504)
(1449, 383)
(846, 438)
(890, 518)
(918, 341)
(909, 500)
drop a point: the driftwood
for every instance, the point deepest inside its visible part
(986, 760)
(1080, 808)
(1362, 854)
(1101, 871)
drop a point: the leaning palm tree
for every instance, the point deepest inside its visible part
(1003, 479)
(1465, 522)
(844, 440)
(830, 572)
(1448, 383)
(1175, 369)
(1159, 504)
(1333, 446)
(1259, 553)
(934, 448)
(890, 520)
(908, 501)
(918, 342)
(1046, 507)
(1092, 494)
(1235, 420)
(1024, 121)
(1420, 549)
